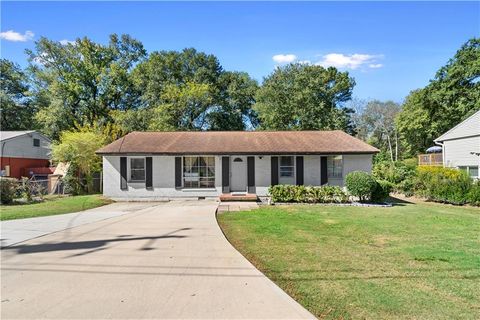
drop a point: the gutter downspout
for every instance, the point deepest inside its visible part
(443, 151)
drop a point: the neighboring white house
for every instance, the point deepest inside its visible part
(461, 145)
(164, 165)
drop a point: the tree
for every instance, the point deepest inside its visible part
(305, 97)
(79, 84)
(209, 98)
(377, 126)
(452, 96)
(184, 107)
(78, 149)
(235, 102)
(16, 108)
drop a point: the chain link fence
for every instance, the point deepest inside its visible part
(55, 185)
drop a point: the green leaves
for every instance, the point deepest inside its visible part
(452, 96)
(189, 90)
(84, 80)
(16, 109)
(304, 97)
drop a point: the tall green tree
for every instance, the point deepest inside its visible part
(183, 107)
(376, 125)
(452, 96)
(208, 97)
(16, 108)
(305, 97)
(79, 83)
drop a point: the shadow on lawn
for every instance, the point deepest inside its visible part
(93, 245)
(398, 202)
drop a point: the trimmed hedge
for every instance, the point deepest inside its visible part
(306, 194)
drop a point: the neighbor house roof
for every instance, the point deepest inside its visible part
(238, 142)
(467, 128)
(5, 135)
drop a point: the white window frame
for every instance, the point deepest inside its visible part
(467, 170)
(208, 178)
(130, 169)
(337, 170)
(290, 179)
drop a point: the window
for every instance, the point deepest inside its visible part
(36, 142)
(335, 166)
(198, 172)
(287, 167)
(137, 169)
(471, 171)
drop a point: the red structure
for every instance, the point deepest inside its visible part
(24, 154)
(19, 167)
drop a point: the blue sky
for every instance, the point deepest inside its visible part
(389, 48)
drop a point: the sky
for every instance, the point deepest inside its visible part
(390, 48)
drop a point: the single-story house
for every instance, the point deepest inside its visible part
(461, 145)
(24, 153)
(164, 165)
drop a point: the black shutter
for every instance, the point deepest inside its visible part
(323, 171)
(274, 171)
(123, 173)
(225, 174)
(299, 171)
(251, 174)
(178, 172)
(148, 173)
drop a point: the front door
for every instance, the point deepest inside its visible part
(239, 174)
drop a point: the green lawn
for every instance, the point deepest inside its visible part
(52, 206)
(411, 261)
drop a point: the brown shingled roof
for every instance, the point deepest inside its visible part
(238, 142)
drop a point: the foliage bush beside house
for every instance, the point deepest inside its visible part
(8, 190)
(439, 184)
(306, 194)
(359, 184)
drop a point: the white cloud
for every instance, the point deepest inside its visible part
(11, 35)
(305, 62)
(41, 59)
(353, 61)
(65, 42)
(284, 58)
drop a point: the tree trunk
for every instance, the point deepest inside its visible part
(396, 145)
(390, 146)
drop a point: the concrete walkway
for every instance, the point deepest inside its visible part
(167, 260)
(19, 230)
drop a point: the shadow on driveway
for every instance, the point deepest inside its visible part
(93, 245)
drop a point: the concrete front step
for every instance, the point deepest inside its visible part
(238, 197)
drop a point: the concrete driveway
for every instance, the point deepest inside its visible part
(167, 260)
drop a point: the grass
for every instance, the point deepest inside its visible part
(411, 261)
(52, 206)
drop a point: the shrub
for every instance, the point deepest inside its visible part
(473, 196)
(400, 173)
(307, 194)
(8, 190)
(360, 184)
(443, 184)
(381, 190)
